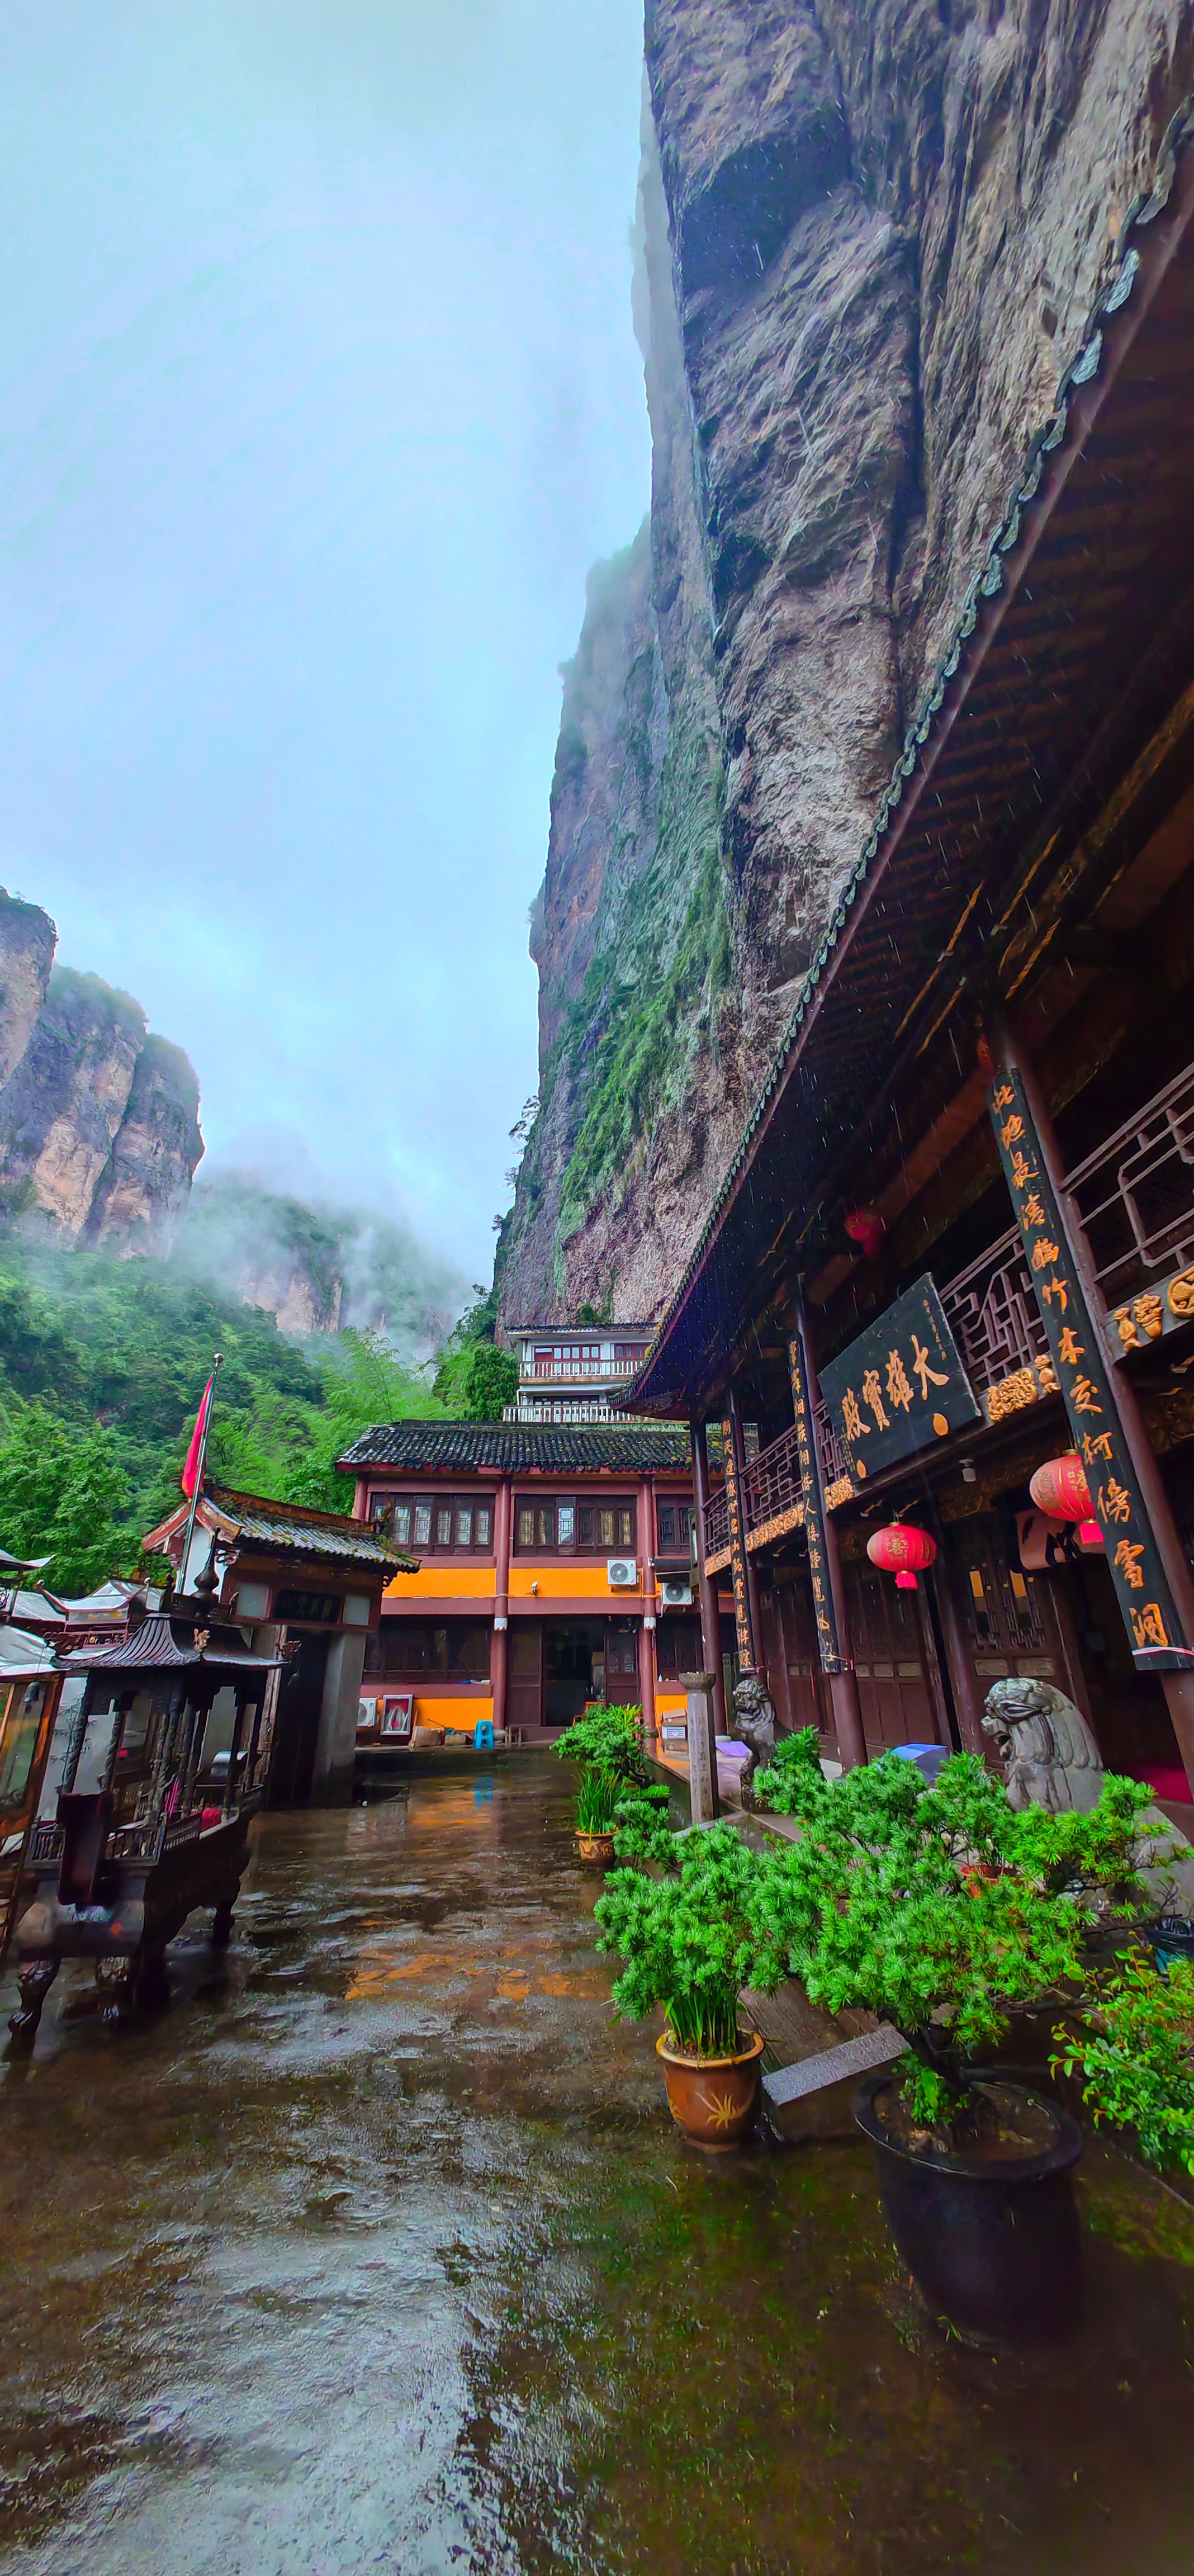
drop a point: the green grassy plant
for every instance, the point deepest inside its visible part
(690, 1940)
(595, 1804)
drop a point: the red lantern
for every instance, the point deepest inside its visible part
(903, 1550)
(866, 1228)
(1060, 1488)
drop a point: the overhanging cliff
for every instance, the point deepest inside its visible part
(870, 237)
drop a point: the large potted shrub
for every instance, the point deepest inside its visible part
(606, 1747)
(687, 1939)
(946, 1912)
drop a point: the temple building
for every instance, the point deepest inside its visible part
(950, 1271)
(554, 1569)
(569, 1372)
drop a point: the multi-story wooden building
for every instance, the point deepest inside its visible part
(965, 1201)
(554, 1568)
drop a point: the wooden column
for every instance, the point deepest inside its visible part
(646, 1638)
(959, 1662)
(825, 1561)
(707, 1583)
(746, 1590)
(499, 1634)
(1154, 1583)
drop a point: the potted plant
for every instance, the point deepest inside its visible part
(606, 1746)
(686, 1941)
(945, 1912)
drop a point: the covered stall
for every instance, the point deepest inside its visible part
(143, 1830)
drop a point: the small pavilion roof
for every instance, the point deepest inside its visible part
(287, 1529)
(165, 1645)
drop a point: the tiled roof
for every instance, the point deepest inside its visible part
(514, 1448)
(162, 1644)
(308, 1533)
(291, 1528)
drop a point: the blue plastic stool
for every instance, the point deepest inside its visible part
(483, 1734)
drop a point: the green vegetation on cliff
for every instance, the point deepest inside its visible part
(102, 1363)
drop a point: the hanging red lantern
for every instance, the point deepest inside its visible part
(1060, 1488)
(866, 1228)
(903, 1550)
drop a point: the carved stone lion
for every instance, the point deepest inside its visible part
(1048, 1752)
(754, 1725)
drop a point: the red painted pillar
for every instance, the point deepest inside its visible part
(706, 1583)
(646, 1642)
(498, 1642)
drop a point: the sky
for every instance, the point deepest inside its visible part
(319, 399)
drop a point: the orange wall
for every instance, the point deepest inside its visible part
(441, 1577)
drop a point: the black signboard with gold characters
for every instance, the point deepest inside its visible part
(814, 1526)
(901, 1386)
(1154, 1631)
(746, 1643)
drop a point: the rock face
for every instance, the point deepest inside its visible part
(99, 1123)
(146, 1181)
(27, 942)
(870, 238)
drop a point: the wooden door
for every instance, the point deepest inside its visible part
(524, 1675)
(893, 1685)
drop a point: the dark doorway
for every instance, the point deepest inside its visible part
(575, 1662)
(296, 1727)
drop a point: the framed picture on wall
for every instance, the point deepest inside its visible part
(398, 1717)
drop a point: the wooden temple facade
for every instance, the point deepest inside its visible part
(957, 1239)
(554, 1569)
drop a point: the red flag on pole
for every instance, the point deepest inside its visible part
(194, 1456)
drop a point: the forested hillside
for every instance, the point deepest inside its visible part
(102, 1363)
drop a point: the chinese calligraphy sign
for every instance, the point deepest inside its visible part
(814, 1526)
(901, 1385)
(1146, 1605)
(746, 1643)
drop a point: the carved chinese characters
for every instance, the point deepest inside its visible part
(746, 1643)
(901, 1386)
(814, 1527)
(1085, 1381)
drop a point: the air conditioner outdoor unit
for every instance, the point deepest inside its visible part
(675, 1594)
(622, 1570)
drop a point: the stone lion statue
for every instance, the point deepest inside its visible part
(754, 1726)
(1048, 1752)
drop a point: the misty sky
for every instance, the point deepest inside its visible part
(319, 397)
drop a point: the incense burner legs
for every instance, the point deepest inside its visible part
(35, 1980)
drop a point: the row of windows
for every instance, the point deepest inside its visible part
(572, 1529)
(444, 1525)
(439, 1527)
(458, 1649)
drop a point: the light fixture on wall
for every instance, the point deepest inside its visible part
(969, 1471)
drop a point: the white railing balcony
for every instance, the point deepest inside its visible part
(577, 1372)
(564, 1408)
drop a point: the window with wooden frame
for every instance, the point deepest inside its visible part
(564, 1527)
(674, 1522)
(435, 1524)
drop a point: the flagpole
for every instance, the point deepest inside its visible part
(200, 1464)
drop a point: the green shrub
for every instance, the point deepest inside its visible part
(690, 1941)
(943, 1910)
(793, 1782)
(1137, 2057)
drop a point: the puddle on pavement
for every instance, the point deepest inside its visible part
(379, 2251)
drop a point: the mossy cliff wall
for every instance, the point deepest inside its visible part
(871, 233)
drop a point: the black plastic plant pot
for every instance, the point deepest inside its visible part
(993, 2245)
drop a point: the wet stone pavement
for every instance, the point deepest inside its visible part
(378, 2251)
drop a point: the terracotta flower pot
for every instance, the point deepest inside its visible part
(599, 1847)
(713, 2099)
